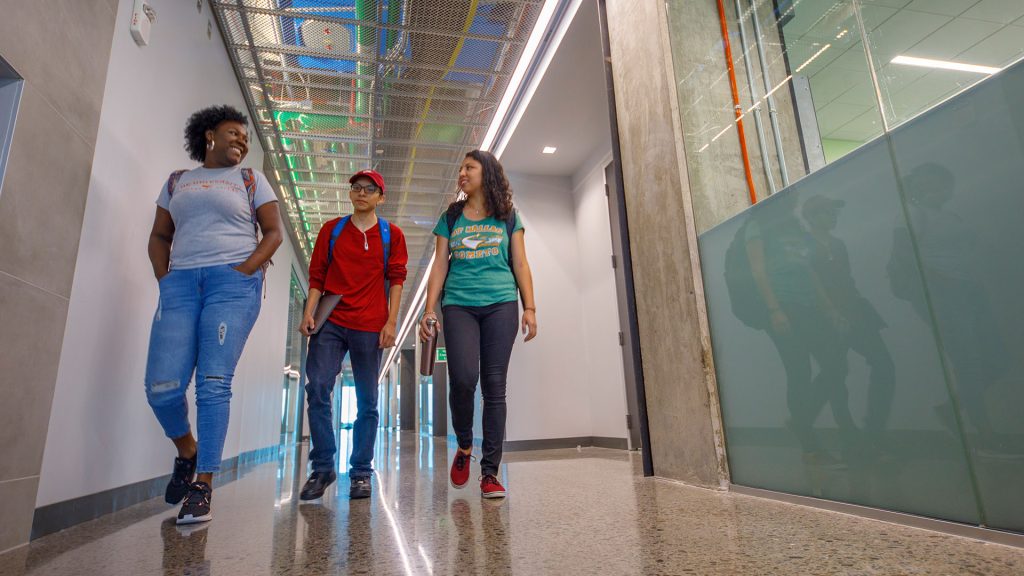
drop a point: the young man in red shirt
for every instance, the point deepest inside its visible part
(350, 258)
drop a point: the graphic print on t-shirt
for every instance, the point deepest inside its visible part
(208, 183)
(476, 241)
(479, 273)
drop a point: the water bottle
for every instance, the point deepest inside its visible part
(429, 353)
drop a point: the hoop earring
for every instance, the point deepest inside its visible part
(210, 145)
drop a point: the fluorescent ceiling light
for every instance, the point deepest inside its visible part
(543, 19)
(549, 149)
(944, 65)
(556, 40)
(813, 58)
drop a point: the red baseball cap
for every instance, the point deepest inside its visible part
(372, 175)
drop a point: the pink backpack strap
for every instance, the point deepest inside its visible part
(249, 178)
(172, 181)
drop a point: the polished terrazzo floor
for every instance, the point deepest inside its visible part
(583, 511)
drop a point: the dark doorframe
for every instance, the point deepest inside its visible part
(617, 207)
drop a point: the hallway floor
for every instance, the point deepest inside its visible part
(583, 511)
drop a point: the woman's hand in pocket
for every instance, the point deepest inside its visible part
(244, 269)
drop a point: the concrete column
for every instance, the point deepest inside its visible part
(61, 48)
(682, 403)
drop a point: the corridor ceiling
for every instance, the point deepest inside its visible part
(405, 87)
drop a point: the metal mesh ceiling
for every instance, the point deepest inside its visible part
(405, 87)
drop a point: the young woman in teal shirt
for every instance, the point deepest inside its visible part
(480, 267)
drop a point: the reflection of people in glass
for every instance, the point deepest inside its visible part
(779, 251)
(851, 315)
(948, 250)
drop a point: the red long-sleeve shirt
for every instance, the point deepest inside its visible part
(357, 273)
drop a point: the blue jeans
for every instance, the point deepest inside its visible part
(202, 321)
(327, 349)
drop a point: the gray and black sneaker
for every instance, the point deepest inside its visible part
(360, 488)
(197, 504)
(318, 481)
(181, 479)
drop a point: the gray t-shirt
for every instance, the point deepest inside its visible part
(212, 223)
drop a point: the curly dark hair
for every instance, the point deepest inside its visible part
(208, 119)
(497, 192)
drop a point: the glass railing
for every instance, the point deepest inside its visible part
(866, 321)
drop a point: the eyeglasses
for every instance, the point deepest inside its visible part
(369, 189)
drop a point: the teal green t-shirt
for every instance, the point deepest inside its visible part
(478, 272)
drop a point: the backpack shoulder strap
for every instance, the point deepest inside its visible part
(510, 226)
(338, 226)
(249, 179)
(385, 238)
(172, 181)
(451, 217)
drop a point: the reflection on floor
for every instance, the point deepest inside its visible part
(583, 511)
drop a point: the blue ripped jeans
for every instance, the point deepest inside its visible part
(201, 324)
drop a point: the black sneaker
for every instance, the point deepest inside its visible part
(317, 483)
(181, 479)
(360, 488)
(197, 504)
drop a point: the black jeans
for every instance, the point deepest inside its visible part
(479, 342)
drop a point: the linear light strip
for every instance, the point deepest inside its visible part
(944, 65)
(529, 51)
(537, 75)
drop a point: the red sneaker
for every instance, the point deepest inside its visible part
(491, 488)
(459, 476)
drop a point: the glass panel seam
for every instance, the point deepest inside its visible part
(954, 398)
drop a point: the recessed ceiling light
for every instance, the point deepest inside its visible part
(944, 65)
(549, 149)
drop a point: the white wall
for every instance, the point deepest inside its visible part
(568, 382)
(102, 433)
(603, 371)
(547, 395)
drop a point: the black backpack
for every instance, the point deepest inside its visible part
(746, 300)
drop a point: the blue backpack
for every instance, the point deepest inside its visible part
(385, 237)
